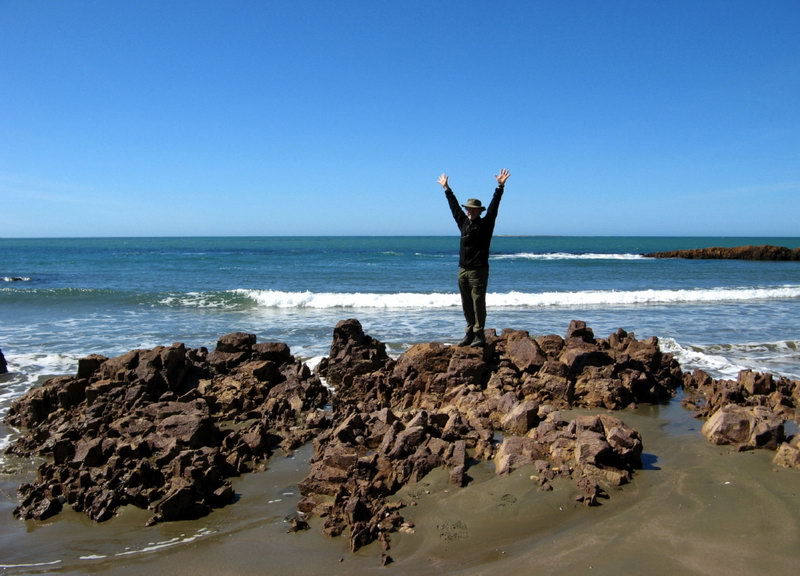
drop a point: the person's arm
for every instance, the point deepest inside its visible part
(494, 205)
(455, 207)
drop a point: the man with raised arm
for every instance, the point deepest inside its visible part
(473, 261)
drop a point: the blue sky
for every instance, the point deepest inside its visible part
(173, 118)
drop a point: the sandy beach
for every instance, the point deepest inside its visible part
(695, 508)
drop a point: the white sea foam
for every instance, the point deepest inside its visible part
(727, 360)
(29, 565)
(323, 300)
(696, 357)
(42, 364)
(197, 300)
(24, 371)
(410, 300)
(567, 256)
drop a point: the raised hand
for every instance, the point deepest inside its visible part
(503, 176)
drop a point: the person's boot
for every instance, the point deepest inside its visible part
(479, 341)
(467, 340)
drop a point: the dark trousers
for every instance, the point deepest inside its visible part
(472, 285)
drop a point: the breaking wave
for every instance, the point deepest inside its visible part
(567, 256)
(727, 360)
(409, 300)
(242, 299)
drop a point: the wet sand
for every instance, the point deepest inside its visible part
(695, 509)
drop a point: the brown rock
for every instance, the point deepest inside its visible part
(181, 502)
(755, 383)
(591, 448)
(128, 428)
(579, 354)
(88, 365)
(521, 418)
(352, 353)
(524, 352)
(236, 342)
(515, 452)
(744, 427)
(578, 329)
(788, 454)
(45, 508)
(277, 352)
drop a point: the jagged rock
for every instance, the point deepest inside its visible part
(515, 452)
(521, 418)
(755, 383)
(524, 352)
(352, 353)
(788, 454)
(399, 419)
(146, 428)
(705, 395)
(578, 329)
(744, 427)
(3, 364)
(598, 446)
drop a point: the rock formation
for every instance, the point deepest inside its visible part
(748, 412)
(164, 428)
(3, 364)
(443, 406)
(765, 252)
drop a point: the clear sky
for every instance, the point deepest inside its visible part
(174, 118)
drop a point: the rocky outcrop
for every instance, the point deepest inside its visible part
(3, 364)
(166, 428)
(765, 252)
(163, 429)
(443, 406)
(746, 413)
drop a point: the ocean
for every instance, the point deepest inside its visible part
(62, 299)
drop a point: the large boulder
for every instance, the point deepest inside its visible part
(744, 427)
(352, 353)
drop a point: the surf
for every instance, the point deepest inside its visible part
(513, 299)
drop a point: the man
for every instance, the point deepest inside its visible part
(473, 261)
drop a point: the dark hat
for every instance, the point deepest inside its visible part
(474, 203)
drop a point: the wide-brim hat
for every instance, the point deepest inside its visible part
(474, 203)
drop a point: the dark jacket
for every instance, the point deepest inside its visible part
(476, 235)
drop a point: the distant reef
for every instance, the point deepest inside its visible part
(765, 252)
